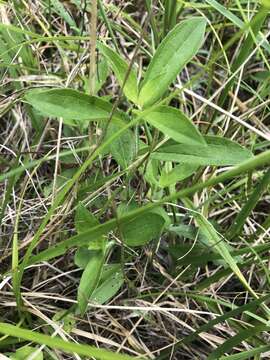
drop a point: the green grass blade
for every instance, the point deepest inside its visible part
(247, 354)
(255, 26)
(249, 206)
(251, 306)
(58, 343)
(169, 16)
(225, 12)
(217, 243)
(7, 194)
(235, 340)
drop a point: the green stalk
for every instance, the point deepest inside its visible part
(58, 343)
(152, 21)
(93, 43)
(7, 195)
(255, 26)
(169, 16)
(107, 22)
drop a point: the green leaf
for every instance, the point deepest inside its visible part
(178, 173)
(25, 352)
(82, 257)
(84, 219)
(120, 69)
(174, 52)
(173, 123)
(219, 151)
(123, 149)
(70, 105)
(108, 270)
(89, 279)
(151, 173)
(110, 284)
(161, 212)
(141, 230)
(57, 343)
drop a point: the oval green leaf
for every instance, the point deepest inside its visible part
(174, 52)
(70, 104)
(84, 219)
(219, 151)
(178, 173)
(123, 149)
(142, 229)
(90, 279)
(173, 123)
(110, 283)
(120, 69)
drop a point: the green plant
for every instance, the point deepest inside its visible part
(143, 171)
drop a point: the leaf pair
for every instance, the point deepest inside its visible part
(91, 260)
(188, 146)
(177, 48)
(175, 51)
(100, 282)
(196, 149)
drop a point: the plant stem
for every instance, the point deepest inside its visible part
(93, 41)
